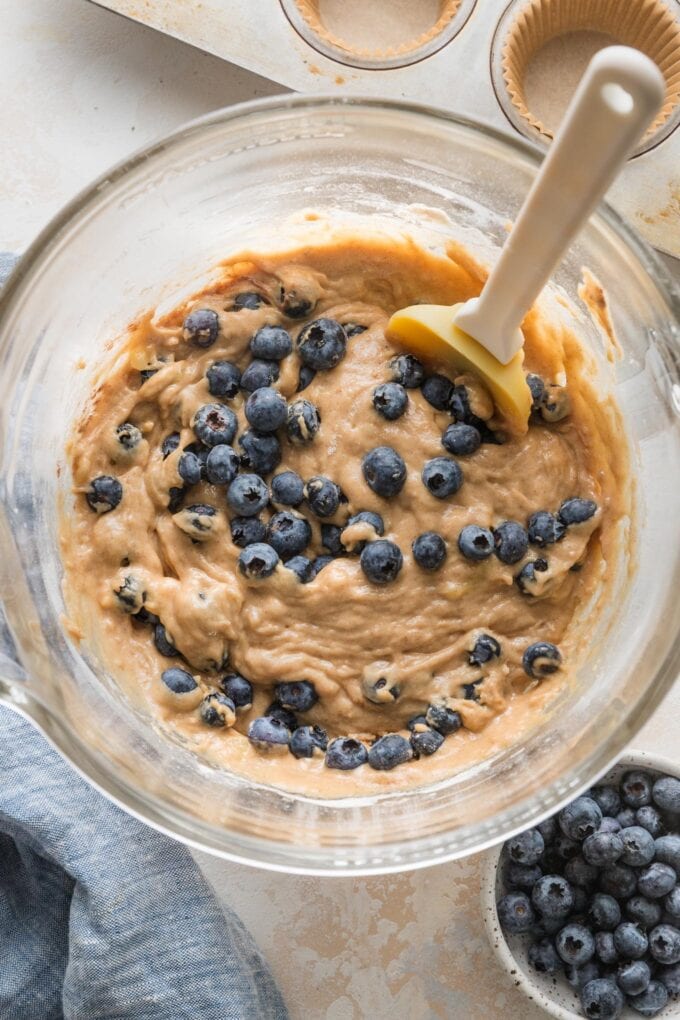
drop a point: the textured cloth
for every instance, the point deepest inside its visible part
(101, 917)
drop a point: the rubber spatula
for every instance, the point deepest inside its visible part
(614, 103)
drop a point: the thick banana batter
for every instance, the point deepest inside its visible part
(376, 654)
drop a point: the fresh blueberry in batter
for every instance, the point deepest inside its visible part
(389, 751)
(163, 643)
(238, 689)
(305, 377)
(442, 477)
(273, 343)
(429, 550)
(297, 695)
(384, 471)
(485, 648)
(247, 530)
(266, 409)
(461, 439)
(258, 561)
(331, 539)
(425, 742)
(178, 680)
(545, 528)
(249, 299)
(201, 327)
(303, 423)
(301, 566)
(369, 517)
(511, 542)
(104, 494)
(381, 561)
(289, 533)
(407, 370)
(260, 372)
(346, 753)
(129, 436)
(295, 305)
(443, 719)
(224, 379)
(390, 400)
(288, 489)
(189, 468)
(130, 595)
(197, 521)
(261, 453)
(284, 715)
(170, 444)
(247, 495)
(323, 496)
(176, 494)
(308, 741)
(354, 329)
(218, 710)
(267, 732)
(576, 511)
(221, 465)
(214, 424)
(318, 565)
(541, 659)
(526, 580)
(437, 390)
(476, 543)
(537, 388)
(322, 344)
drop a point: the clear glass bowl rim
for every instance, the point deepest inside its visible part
(252, 850)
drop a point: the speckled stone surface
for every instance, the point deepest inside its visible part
(81, 89)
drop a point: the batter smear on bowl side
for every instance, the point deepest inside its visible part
(319, 561)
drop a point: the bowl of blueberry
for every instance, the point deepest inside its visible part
(583, 910)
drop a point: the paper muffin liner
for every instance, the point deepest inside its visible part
(647, 25)
(311, 12)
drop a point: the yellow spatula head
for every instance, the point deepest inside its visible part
(429, 330)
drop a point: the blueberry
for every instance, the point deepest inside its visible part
(201, 327)
(266, 409)
(331, 539)
(429, 550)
(548, 827)
(581, 818)
(651, 1001)
(526, 847)
(267, 733)
(520, 876)
(645, 913)
(485, 648)
(601, 1000)
(318, 565)
(224, 379)
(288, 489)
(247, 495)
(221, 465)
(555, 404)
(308, 741)
(390, 400)
(146, 373)
(163, 643)
(425, 742)
(380, 691)
(604, 913)
(515, 913)
(288, 533)
(543, 958)
(470, 691)
(298, 695)
(189, 468)
(304, 422)
(443, 719)
(626, 817)
(373, 520)
(145, 618)
(619, 881)
(323, 496)
(178, 680)
(283, 715)
(301, 567)
(631, 943)
(633, 977)
(664, 944)
(610, 825)
(104, 494)
(384, 471)
(603, 848)
(608, 799)
(666, 794)
(238, 689)
(442, 476)
(346, 753)
(580, 873)
(543, 659)
(176, 496)
(407, 370)
(510, 542)
(578, 977)
(657, 880)
(389, 751)
(128, 436)
(170, 444)
(461, 439)
(672, 903)
(354, 329)
(381, 561)
(438, 390)
(636, 789)
(526, 580)
(670, 979)
(197, 521)
(545, 529)
(305, 377)
(650, 819)
(261, 453)
(605, 950)
(247, 530)
(417, 724)
(668, 850)
(258, 561)
(576, 511)
(249, 299)
(575, 944)
(476, 543)
(565, 847)
(638, 846)
(322, 344)
(537, 389)
(218, 710)
(214, 424)
(259, 373)
(273, 343)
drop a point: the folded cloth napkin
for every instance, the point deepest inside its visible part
(101, 917)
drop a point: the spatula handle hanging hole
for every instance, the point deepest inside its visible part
(617, 98)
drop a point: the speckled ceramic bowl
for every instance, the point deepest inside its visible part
(552, 993)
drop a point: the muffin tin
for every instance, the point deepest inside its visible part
(486, 59)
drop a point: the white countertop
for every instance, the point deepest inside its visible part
(81, 88)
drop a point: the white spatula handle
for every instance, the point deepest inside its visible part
(615, 101)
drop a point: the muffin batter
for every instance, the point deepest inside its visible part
(156, 583)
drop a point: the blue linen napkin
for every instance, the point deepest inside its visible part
(101, 917)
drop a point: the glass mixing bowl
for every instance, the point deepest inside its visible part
(173, 211)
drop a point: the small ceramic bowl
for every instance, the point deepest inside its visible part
(550, 992)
